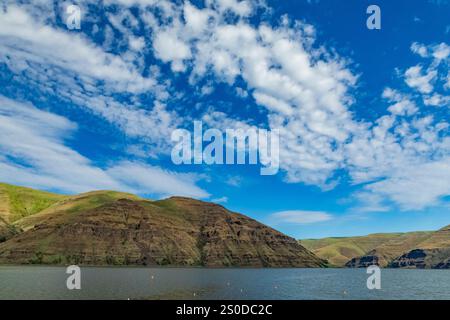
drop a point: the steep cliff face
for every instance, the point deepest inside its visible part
(231, 239)
(132, 231)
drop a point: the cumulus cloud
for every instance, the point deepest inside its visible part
(401, 159)
(69, 66)
(304, 90)
(299, 217)
(431, 83)
(36, 44)
(168, 47)
(415, 79)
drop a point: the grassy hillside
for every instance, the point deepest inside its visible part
(19, 202)
(431, 252)
(383, 254)
(71, 205)
(379, 248)
(438, 239)
(422, 249)
(339, 251)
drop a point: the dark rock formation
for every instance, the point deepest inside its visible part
(438, 258)
(362, 262)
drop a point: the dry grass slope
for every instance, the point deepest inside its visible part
(338, 251)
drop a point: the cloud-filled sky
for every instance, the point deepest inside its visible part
(363, 114)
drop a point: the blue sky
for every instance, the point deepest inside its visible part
(363, 114)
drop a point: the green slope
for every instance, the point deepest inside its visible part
(19, 202)
(340, 250)
(72, 205)
(438, 239)
(21, 208)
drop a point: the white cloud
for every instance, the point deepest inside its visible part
(33, 153)
(402, 104)
(432, 80)
(438, 52)
(273, 103)
(401, 159)
(72, 68)
(137, 43)
(415, 79)
(437, 100)
(31, 140)
(220, 200)
(299, 217)
(25, 39)
(168, 47)
(239, 7)
(234, 181)
(146, 179)
(303, 89)
(415, 187)
(441, 51)
(419, 49)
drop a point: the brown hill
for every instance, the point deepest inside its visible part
(107, 228)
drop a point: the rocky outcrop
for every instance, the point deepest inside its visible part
(423, 259)
(414, 258)
(363, 261)
(176, 231)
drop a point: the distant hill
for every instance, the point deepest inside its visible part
(338, 251)
(113, 228)
(433, 252)
(429, 249)
(383, 254)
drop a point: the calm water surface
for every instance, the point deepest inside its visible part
(36, 282)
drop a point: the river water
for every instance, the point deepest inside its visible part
(42, 282)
